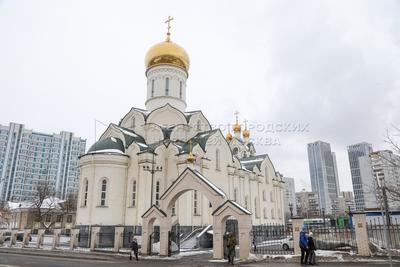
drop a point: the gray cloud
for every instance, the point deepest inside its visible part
(331, 64)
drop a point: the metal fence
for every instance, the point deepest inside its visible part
(272, 239)
(155, 241)
(106, 237)
(334, 238)
(377, 233)
(175, 239)
(84, 236)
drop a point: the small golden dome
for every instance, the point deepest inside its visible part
(167, 52)
(229, 136)
(237, 128)
(246, 133)
(191, 158)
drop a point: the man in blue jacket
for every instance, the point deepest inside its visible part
(303, 243)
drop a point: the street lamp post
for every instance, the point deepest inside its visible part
(323, 215)
(291, 210)
(152, 170)
(386, 216)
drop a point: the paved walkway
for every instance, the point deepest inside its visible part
(32, 258)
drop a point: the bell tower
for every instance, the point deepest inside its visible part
(167, 66)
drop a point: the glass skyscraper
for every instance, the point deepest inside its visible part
(355, 152)
(323, 174)
(28, 158)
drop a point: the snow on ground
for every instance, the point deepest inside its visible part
(190, 243)
(156, 247)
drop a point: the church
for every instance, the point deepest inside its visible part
(134, 162)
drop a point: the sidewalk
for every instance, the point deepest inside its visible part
(199, 257)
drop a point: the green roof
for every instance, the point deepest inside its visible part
(110, 143)
(249, 162)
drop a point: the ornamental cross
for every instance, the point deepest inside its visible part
(236, 114)
(168, 21)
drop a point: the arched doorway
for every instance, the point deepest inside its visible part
(243, 217)
(191, 179)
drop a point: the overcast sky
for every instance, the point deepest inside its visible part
(330, 67)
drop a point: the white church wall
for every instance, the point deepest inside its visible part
(113, 169)
(134, 120)
(166, 116)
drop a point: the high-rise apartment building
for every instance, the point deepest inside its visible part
(355, 152)
(307, 204)
(323, 174)
(28, 158)
(379, 166)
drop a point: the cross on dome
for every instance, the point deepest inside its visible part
(168, 22)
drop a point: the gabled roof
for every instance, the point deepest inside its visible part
(233, 203)
(198, 175)
(154, 207)
(115, 144)
(130, 136)
(200, 139)
(249, 162)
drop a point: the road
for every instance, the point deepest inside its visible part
(20, 260)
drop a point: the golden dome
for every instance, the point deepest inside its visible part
(237, 128)
(229, 136)
(246, 133)
(167, 52)
(191, 158)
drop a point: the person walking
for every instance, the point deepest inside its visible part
(303, 243)
(135, 249)
(311, 249)
(231, 247)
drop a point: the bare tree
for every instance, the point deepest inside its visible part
(5, 214)
(46, 207)
(393, 187)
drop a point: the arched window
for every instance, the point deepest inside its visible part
(167, 86)
(272, 214)
(152, 88)
(85, 193)
(103, 192)
(217, 159)
(264, 196)
(272, 196)
(134, 193)
(173, 210)
(256, 207)
(180, 89)
(133, 122)
(265, 213)
(157, 192)
(235, 195)
(195, 203)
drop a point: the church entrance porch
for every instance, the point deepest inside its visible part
(224, 209)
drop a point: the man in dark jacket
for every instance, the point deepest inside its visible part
(135, 249)
(303, 243)
(311, 249)
(231, 247)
